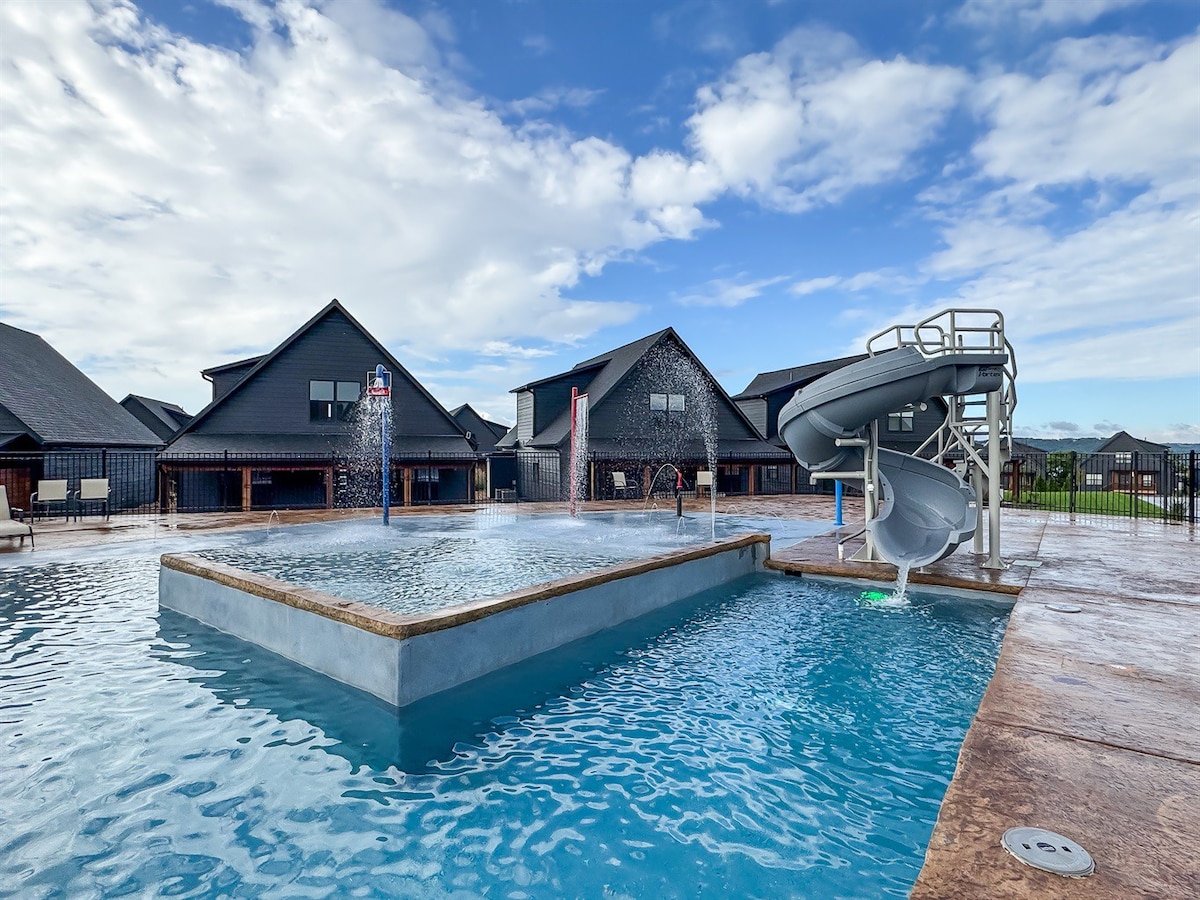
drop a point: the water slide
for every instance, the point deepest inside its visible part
(924, 509)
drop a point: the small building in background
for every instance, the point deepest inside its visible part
(1125, 464)
(481, 432)
(164, 419)
(288, 430)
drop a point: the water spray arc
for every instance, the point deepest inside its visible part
(380, 386)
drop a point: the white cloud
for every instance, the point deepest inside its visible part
(1033, 14)
(184, 199)
(1107, 289)
(729, 292)
(813, 120)
(814, 285)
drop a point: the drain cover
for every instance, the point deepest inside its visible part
(1046, 850)
(1064, 607)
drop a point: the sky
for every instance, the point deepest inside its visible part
(499, 190)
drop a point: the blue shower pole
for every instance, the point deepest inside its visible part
(837, 500)
(385, 423)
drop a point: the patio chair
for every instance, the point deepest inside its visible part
(9, 527)
(47, 494)
(621, 486)
(92, 490)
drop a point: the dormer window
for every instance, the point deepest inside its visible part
(332, 401)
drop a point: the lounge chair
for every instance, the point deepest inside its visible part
(92, 490)
(9, 527)
(621, 486)
(47, 494)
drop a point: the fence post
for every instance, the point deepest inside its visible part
(1134, 479)
(1191, 486)
(1074, 479)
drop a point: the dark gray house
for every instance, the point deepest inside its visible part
(57, 423)
(903, 430)
(481, 432)
(163, 418)
(1125, 464)
(651, 403)
(287, 430)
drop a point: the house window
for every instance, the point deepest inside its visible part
(668, 403)
(900, 421)
(1123, 459)
(332, 400)
(1094, 479)
(1148, 481)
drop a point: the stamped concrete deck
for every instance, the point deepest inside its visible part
(1090, 726)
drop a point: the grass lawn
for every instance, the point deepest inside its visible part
(1103, 502)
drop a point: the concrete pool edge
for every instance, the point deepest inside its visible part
(403, 658)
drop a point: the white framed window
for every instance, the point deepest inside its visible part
(658, 403)
(1094, 479)
(1148, 481)
(1123, 459)
(676, 403)
(900, 421)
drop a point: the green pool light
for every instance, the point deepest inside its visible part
(874, 595)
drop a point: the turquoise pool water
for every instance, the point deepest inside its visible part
(425, 563)
(776, 738)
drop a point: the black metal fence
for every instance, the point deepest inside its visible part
(1160, 486)
(1157, 486)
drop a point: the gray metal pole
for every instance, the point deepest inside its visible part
(977, 486)
(995, 494)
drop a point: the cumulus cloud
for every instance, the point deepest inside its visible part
(194, 199)
(1112, 290)
(814, 119)
(1069, 427)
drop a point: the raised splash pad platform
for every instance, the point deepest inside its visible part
(404, 658)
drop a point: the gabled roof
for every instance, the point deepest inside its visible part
(167, 418)
(56, 402)
(611, 369)
(236, 364)
(470, 420)
(797, 376)
(1124, 437)
(263, 362)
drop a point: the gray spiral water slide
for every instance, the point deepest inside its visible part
(924, 509)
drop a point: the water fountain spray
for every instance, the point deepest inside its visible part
(381, 386)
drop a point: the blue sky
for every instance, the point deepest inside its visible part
(501, 189)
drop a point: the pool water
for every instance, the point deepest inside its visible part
(774, 738)
(426, 563)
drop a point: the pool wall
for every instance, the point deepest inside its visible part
(403, 658)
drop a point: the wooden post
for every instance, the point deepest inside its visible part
(750, 483)
(329, 476)
(408, 472)
(246, 481)
(646, 485)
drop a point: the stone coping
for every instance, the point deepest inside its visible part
(394, 625)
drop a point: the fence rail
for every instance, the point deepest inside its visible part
(1156, 486)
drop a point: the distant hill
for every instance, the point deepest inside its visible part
(1081, 445)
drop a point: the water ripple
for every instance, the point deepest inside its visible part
(780, 741)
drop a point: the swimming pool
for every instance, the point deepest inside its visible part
(421, 564)
(776, 738)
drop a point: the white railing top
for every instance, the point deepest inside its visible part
(949, 331)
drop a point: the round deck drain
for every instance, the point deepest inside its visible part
(1064, 607)
(1048, 851)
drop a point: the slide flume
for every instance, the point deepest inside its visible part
(924, 510)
